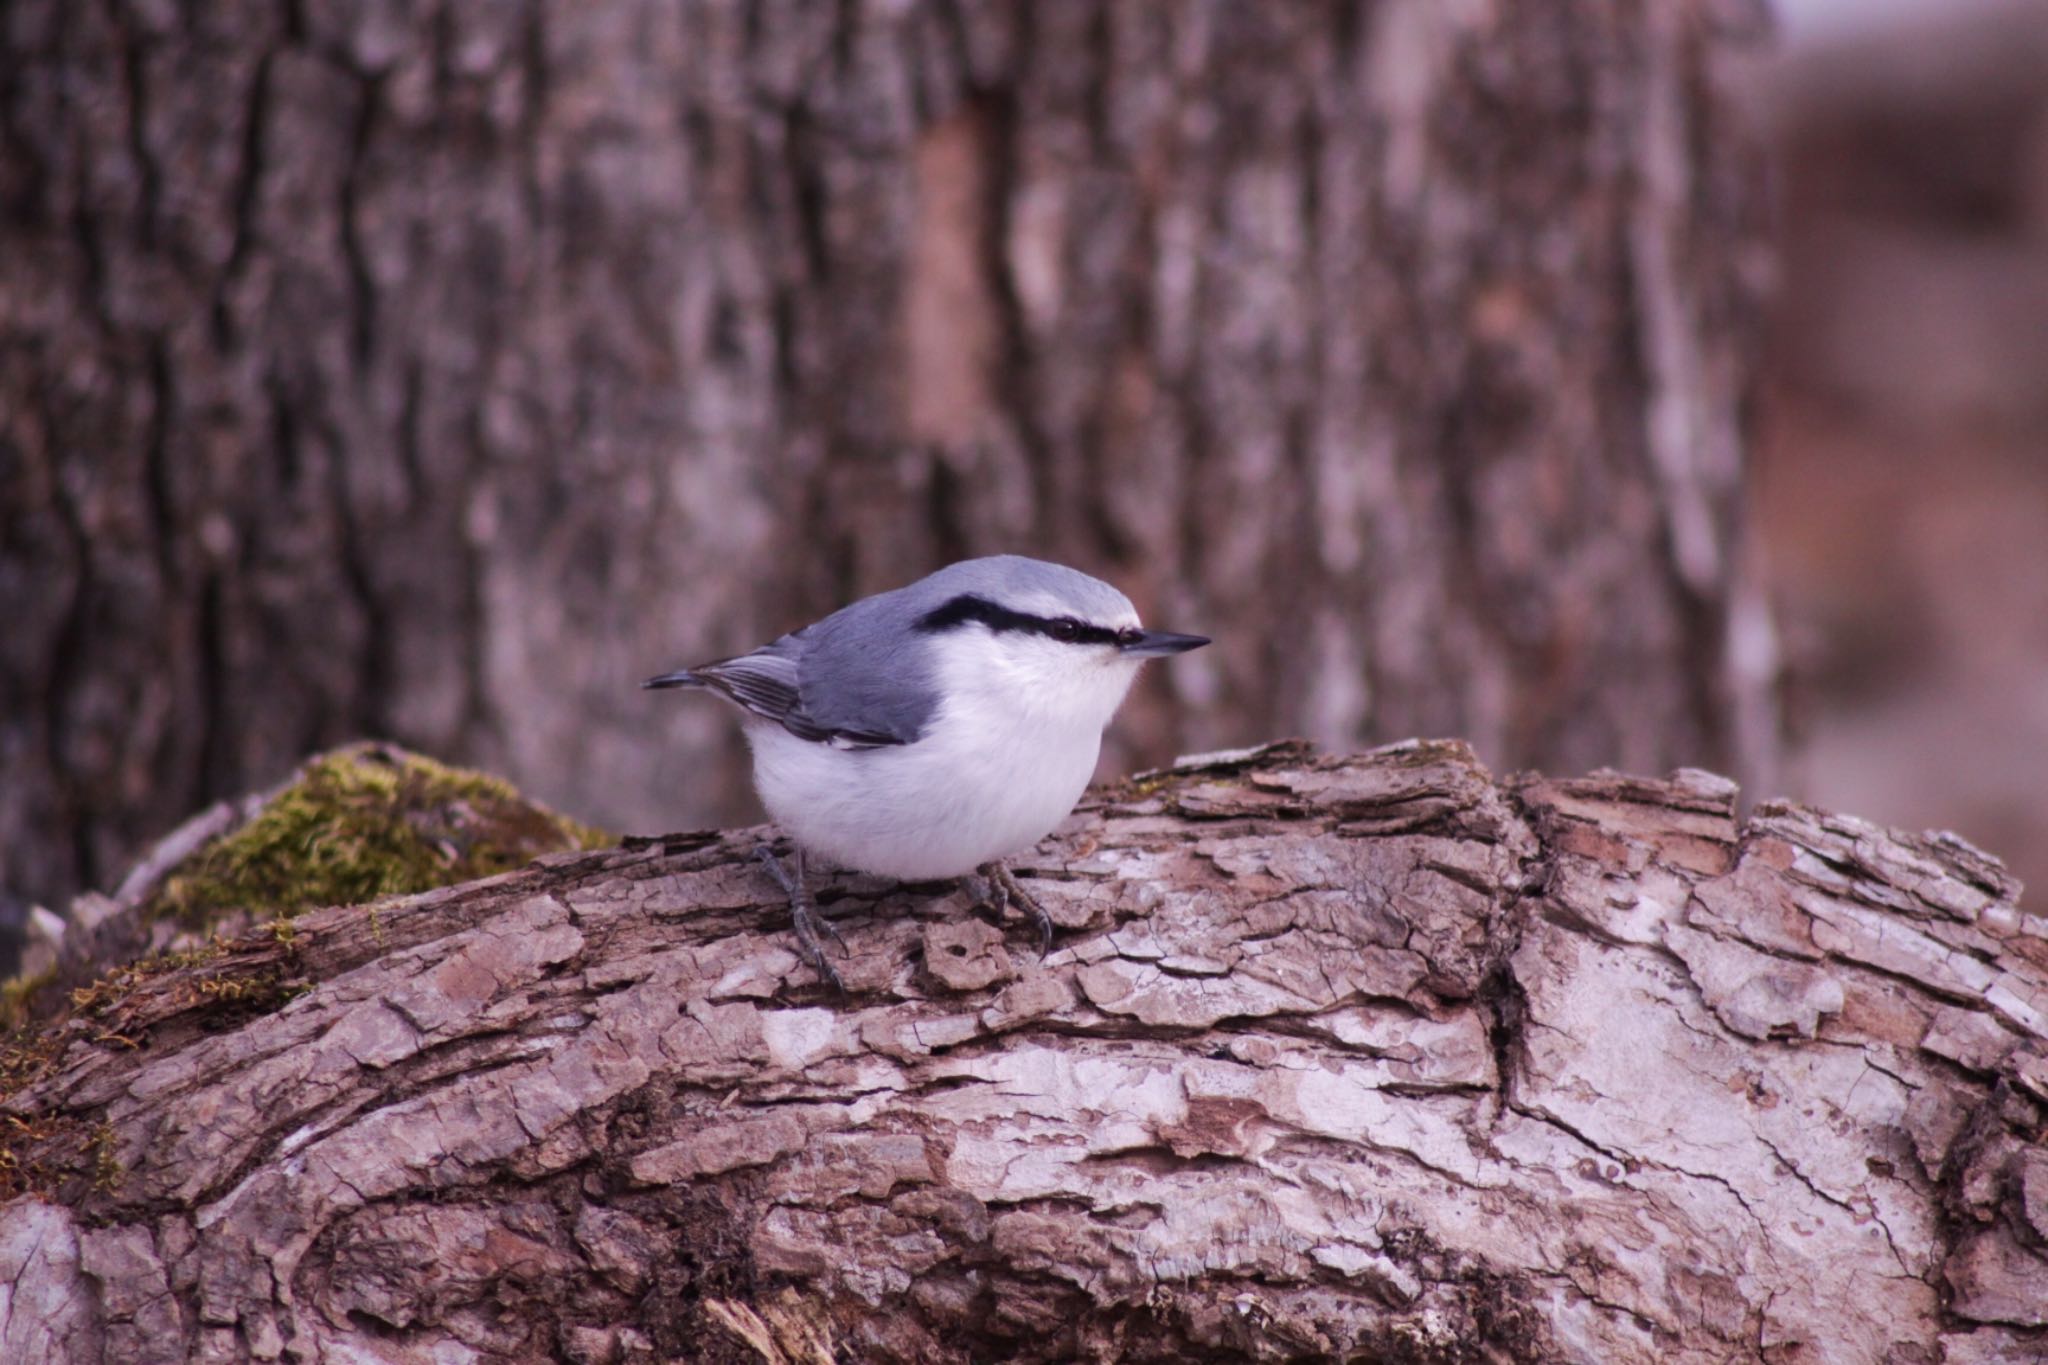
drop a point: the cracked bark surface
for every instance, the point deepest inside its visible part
(1374, 1056)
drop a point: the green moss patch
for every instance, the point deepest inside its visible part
(18, 998)
(363, 822)
(354, 826)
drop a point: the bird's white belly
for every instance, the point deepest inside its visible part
(940, 807)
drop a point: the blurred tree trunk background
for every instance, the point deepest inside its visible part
(438, 371)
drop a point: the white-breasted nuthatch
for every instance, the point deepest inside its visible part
(932, 731)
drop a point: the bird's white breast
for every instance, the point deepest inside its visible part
(1004, 759)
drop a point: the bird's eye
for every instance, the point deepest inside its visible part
(1067, 630)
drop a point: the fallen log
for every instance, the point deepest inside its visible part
(1371, 1057)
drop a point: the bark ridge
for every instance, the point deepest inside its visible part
(1373, 1056)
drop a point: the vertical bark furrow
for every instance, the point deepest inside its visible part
(1399, 349)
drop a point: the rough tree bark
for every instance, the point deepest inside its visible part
(1374, 1058)
(435, 371)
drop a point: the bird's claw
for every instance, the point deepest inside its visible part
(806, 924)
(1004, 890)
(804, 918)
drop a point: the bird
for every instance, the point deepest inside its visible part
(929, 732)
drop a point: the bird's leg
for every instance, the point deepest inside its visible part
(1003, 890)
(803, 916)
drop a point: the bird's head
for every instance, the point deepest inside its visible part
(1038, 637)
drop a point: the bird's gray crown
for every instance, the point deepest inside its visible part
(1029, 586)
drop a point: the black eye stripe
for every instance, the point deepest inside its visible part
(966, 608)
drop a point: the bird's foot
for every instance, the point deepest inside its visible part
(1004, 890)
(803, 917)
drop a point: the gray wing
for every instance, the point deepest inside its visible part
(859, 679)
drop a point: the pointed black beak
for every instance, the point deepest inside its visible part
(1152, 644)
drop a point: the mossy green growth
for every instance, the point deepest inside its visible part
(106, 1166)
(18, 997)
(363, 822)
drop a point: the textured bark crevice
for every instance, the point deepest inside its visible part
(1372, 1057)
